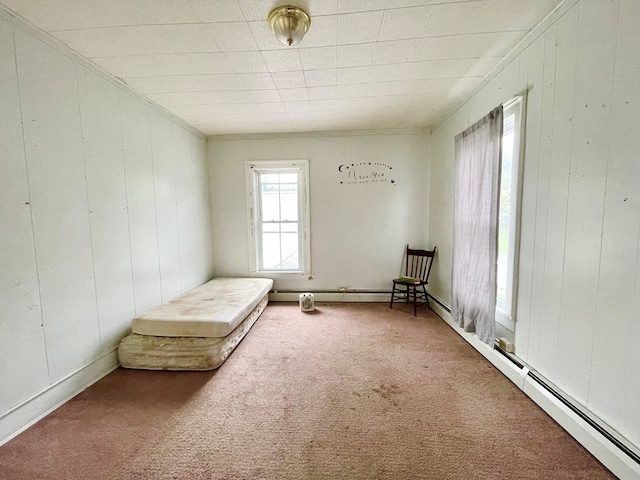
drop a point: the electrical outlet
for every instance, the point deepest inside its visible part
(342, 288)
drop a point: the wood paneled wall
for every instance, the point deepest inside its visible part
(104, 213)
(579, 282)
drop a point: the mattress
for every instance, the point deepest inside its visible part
(212, 310)
(149, 352)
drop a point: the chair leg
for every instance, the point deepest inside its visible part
(415, 301)
(393, 293)
(426, 297)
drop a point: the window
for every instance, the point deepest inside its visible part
(278, 212)
(508, 213)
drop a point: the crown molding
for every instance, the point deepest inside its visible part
(313, 134)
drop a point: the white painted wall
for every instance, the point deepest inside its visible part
(358, 231)
(104, 213)
(579, 284)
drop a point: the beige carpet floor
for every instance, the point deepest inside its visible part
(350, 391)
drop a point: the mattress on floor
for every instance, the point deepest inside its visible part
(148, 352)
(214, 309)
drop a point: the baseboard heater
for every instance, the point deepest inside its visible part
(349, 290)
(437, 300)
(605, 432)
(355, 290)
(352, 291)
(604, 442)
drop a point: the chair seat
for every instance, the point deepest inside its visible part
(406, 281)
(410, 291)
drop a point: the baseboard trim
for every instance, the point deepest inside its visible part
(597, 444)
(20, 417)
(507, 368)
(332, 296)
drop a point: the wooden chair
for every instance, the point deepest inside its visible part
(416, 276)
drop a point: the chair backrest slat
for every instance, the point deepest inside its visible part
(418, 263)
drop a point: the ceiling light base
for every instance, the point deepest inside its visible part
(289, 24)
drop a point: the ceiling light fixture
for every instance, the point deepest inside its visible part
(289, 24)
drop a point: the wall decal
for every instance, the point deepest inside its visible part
(365, 172)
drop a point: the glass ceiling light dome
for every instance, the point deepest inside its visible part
(289, 24)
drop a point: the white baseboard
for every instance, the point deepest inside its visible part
(20, 417)
(332, 297)
(598, 445)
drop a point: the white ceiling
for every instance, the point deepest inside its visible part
(365, 64)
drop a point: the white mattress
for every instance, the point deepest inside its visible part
(149, 352)
(214, 309)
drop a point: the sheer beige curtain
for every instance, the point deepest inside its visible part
(475, 226)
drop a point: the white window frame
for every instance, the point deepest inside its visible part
(506, 316)
(252, 171)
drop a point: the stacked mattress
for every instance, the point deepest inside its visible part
(198, 330)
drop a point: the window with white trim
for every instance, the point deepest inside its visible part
(509, 213)
(278, 212)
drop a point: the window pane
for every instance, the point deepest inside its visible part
(271, 227)
(270, 250)
(506, 201)
(280, 251)
(289, 227)
(289, 178)
(269, 178)
(290, 250)
(279, 199)
(270, 206)
(289, 206)
(288, 187)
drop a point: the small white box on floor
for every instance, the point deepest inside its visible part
(306, 302)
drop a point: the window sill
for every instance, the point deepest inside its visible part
(505, 320)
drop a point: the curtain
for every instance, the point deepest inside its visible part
(475, 226)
